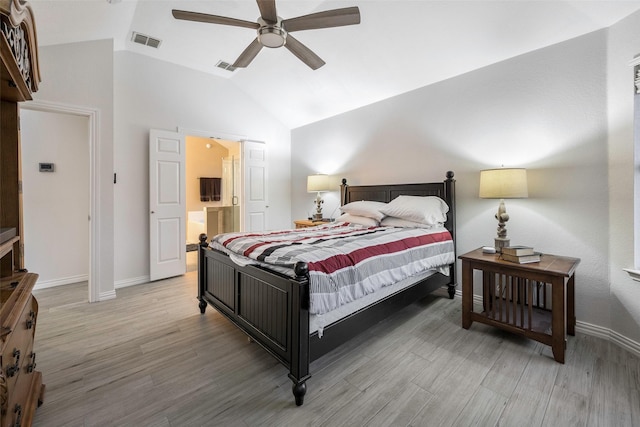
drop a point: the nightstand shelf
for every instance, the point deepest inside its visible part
(516, 315)
(536, 300)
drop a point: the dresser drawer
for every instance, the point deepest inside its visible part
(21, 406)
(17, 360)
(21, 336)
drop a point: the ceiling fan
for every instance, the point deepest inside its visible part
(273, 31)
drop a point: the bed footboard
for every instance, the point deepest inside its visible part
(273, 310)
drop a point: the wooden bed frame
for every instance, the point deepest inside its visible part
(273, 309)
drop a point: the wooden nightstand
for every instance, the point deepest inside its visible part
(527, 299)
(304, 223)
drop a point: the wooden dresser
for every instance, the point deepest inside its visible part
(21, 388)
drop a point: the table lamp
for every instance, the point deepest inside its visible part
(316, 184)
(503, 184)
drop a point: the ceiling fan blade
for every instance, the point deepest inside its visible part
(268, 10)
(213, 19)
(303, 53)
(248, 54)
(327, 19)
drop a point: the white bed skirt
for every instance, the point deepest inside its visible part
(317, 322)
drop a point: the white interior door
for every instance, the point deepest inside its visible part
(167, 204)
(254, 161)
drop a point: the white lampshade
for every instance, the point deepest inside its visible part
(503, 184)
(320, 182)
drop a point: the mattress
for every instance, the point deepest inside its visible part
(346, 262)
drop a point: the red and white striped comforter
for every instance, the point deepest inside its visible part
(345, 261)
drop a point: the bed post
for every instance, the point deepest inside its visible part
(299, 369)
(202, 279)
(450, 196)
(343, 192)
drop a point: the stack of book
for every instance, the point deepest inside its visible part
(520, 254)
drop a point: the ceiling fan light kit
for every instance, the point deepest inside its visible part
(273, 31)
(271, 35)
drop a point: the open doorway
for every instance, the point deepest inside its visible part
(213, 190)
(93, 215)
(56, 195)
(168, 185)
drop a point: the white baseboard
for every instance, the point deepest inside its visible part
(106, 296)
(84, 278)
(131, 282)
(591, 330)
(44, 284)
(609, 335)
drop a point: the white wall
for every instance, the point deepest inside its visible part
(134, 93)
(81, 75)
(623, 46)
(545, 111)
(155, 94)
(56, 205)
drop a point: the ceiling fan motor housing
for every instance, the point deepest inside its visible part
(271, 35)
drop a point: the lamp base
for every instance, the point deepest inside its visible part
(501, 242)
(318, 215)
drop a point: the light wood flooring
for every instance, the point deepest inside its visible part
(148, 358)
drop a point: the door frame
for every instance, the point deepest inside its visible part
(95, 251)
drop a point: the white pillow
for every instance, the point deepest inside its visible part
(355, 219)
(430, 210)
(392, 221)
(366, 208)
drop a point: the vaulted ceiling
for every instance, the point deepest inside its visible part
(398, 46)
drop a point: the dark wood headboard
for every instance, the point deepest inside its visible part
(385, 193)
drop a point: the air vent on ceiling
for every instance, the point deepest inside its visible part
(225, 66)
(145, 40)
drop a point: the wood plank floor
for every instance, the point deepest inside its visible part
(148, 358)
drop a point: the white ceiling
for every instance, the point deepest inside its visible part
(399, 45)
